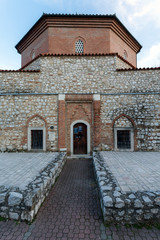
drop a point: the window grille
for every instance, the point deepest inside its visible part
(123, 139)
(79, 46)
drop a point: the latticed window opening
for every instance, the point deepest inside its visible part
(125, 55)
(79, 46)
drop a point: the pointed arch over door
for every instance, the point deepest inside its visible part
(80, 137)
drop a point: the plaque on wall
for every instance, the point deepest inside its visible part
(51, 136)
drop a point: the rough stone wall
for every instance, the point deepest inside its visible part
(123, 122)
(80, 74)
(34, 65)
(23, 204)
(124, 207)
(120, 64)
(143, 109)
(36, 122)
(19, 112)
(23, 82)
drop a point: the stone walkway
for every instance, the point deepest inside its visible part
(135, 171)
(72, 211)
(19, 169)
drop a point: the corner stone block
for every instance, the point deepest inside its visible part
(14, 198)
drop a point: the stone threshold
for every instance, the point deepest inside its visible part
(79, 156)
(24, 204)
(124, 207)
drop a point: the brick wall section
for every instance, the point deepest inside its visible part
(40, 45)
(97, 123)
(79, 107)
(118, 45)
(61, 124)
(61, 40)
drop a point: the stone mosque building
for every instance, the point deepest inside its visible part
(79, 89)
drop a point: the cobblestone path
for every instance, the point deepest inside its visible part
(72, 211)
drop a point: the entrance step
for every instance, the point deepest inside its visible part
(80, 157)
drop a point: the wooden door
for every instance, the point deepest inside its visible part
(80, 138)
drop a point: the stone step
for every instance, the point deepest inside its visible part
(80, 157)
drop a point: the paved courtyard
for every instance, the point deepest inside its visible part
(19, 169)
(135, 171)
(72, 212)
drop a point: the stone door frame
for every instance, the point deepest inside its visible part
(88, 135)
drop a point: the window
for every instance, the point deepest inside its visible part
(79, 46)
(33, 54)
(125, 55)
(124, 139)
(37, 138)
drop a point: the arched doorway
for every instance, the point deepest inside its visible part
(80, 137)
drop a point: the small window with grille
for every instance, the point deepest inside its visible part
(37, 139)
(125, 55)
(124, 139)
(79, 46)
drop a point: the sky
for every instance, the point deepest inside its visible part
(141, 18)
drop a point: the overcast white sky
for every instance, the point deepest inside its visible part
(141, 18)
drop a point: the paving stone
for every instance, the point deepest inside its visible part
(74, 199)
(134, 170)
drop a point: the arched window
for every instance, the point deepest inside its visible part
(125, 55)
(33, 54)
(36, 133)
(79, 46)
(123, 134)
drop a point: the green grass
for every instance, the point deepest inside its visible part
(2, 219)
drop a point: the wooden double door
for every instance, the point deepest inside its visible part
(80, 139)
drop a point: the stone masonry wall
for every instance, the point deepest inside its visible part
(24, 204)
(124, 207)
(123, 122)
(34, 65)
(80, 74)
(20, 112)
(120, 64)
(144, 110)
